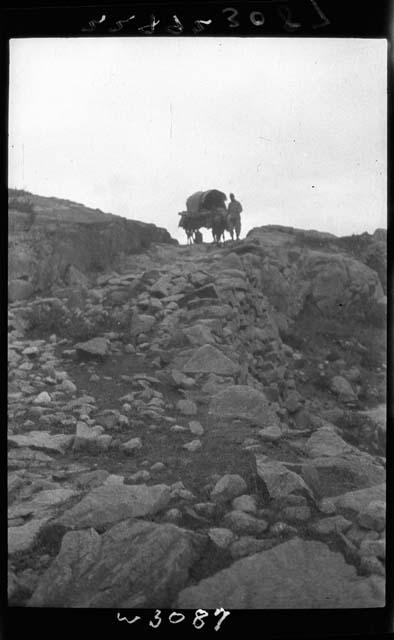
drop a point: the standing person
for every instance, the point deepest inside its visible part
(198, 237)
(234, 216)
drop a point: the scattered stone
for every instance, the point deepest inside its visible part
(193, 445)
(173, 515)
(373, 548)
(271, 434)
(208, 359)
(328, 526)
(228, 487)
(196, 428)
(158, 466)
(279, 480)
(282, 529)
(245, 503)
(326, 442)
(241, 401)
(140, 476)
(43, 398)
(68, 387)
(178, 428)
(186, 407)
(113, 479)
(134, 444)
(371, 565)
(373, 516)
(243, 523)
(221, 537)
(206, 509)
(91, 479)
(343, 389)
(292, 402)
(295, 514)
(357, 501)
(247, 546)
(87, 437)
(93, 347)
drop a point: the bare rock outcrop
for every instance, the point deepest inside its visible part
(58, 242)
(335, 275)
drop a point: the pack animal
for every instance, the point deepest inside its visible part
(219, 225)
(190, 224)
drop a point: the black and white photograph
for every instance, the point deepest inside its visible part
(197, 298)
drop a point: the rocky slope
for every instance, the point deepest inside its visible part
(204, 427)
(55, 242)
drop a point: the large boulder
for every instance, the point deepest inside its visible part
(135, 564)
(242, 401)
(293, 575)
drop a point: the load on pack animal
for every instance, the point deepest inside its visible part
(208, 209)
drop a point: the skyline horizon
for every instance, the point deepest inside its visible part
(181, 232)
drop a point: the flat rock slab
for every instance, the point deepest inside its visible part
(241, 401)
(42, 440)
(134, 564)
(22, 538)
(107, 505)
(41, 503)
(93, 347)
(28, 458)
(293, 575)
(208, 359)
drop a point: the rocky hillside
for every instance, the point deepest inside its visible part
(57, 243)
(203, 427)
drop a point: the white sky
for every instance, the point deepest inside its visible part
(296, 128)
